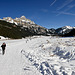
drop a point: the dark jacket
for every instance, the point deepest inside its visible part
(3, 46)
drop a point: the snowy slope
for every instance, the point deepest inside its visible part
(38, 55)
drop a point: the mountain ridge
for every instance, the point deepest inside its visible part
(62, 31)
(31, 28)
(20, 28)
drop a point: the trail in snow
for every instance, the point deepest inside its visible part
(13, 63)
(39, 55)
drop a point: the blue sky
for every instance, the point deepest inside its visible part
(47, 13)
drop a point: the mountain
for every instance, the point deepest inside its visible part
(18, 21)
(71, 33)
(63, 31)
(51, 31)
(27, 24)
(20, 27)
(10, 30)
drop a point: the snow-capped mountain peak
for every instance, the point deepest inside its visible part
(8, 19)
(22, 20)
(23, 17)
(64, 30)
(67, 27)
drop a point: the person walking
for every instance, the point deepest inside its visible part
(3, 48)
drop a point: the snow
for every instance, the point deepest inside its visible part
(63, 30)
(23, 21)
(68, 27)
(16, 20)
(38, 55)
(22, 16)
(2, 38)
(16, 23)
(11, 21)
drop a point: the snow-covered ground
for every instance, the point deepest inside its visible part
(38, 55)
(2, 38)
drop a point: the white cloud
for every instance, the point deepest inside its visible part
(67, 8)
(65, 4)
(53, 2)
(65, 13)
(70, 7)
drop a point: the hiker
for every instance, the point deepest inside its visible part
(3, 48)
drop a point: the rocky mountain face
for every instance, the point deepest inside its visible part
(27, 24)
(19, 21)
(20, 27)
(27, 27)
(51, 31)
(10, 30)
(71, 33)
(63, 31)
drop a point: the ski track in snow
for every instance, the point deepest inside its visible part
(38, 55)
